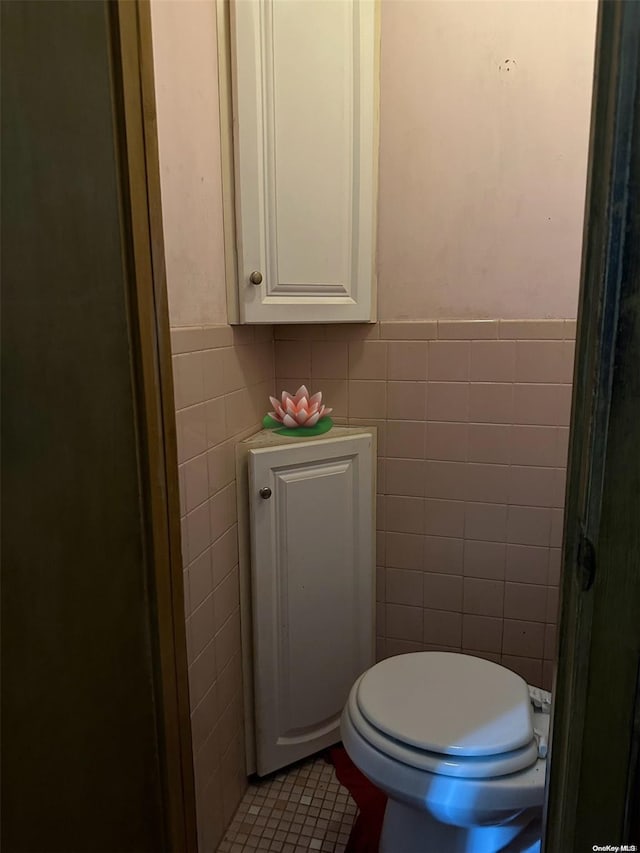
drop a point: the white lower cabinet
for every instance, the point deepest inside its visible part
(310, 587)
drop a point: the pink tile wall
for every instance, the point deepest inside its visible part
(222, 378)
(473, 423)
(473, 429)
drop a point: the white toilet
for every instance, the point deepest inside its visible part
(456, 744)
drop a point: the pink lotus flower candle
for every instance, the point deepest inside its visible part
(299, 409)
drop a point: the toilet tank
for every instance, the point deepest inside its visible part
(307, 569)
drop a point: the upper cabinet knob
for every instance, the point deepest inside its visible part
(255, 277)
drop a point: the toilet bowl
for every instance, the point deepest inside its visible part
(456, 745)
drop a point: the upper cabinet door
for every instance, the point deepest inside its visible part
(304, 87)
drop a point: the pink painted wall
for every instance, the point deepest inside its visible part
(484, 120)
(186, 80)
(482, 161)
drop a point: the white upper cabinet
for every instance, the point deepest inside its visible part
(303, 78)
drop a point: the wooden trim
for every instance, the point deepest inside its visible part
(133, 72)
(226, 159)
(599, 638)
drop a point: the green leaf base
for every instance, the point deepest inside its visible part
(323, 425)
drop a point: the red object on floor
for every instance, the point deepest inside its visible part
(371, 802)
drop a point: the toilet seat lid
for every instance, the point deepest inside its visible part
(448, 703)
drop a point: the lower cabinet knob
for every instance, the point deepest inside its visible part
(265, 493)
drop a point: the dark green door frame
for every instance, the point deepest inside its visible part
(593, 775)
(96, 742)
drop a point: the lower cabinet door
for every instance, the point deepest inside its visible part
(312, 577)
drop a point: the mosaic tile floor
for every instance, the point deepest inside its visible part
(302, 809)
